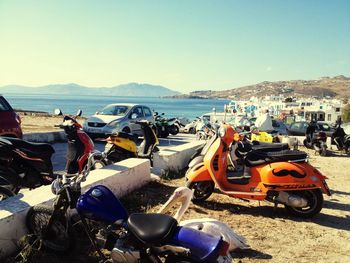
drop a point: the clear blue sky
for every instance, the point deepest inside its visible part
(184, 45)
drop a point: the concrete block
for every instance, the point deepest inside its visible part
(175, 158)
(121, 178)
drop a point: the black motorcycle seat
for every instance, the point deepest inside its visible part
(129, 136)
(39, 149)
(270, 147)
(255, 158)
(152, 228)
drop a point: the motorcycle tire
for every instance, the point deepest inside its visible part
(305, 143)
(10, 181)
(58, 238)
(315, 201)
(202, 190)
(178, 259)
(323, 151)
(192, 131)
(5, 193)
(174, 130)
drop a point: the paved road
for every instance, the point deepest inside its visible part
(59, 160)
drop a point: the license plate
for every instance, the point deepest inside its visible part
(94, 130)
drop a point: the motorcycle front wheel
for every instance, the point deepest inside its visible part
(314, 199)
(178, 259)
(174, 130)
(5, 193)
(202, 190)
(58, 237)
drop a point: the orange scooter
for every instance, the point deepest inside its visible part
(282, 177)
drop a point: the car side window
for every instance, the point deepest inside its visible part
(304, 126)
(295, 126)
(3, 105)
(147, 112)
(138, 111)
(324, 127)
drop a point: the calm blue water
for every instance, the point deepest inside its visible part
(189, 108)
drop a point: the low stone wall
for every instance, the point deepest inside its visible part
(48, 137)
(175, 158)
(121, 178)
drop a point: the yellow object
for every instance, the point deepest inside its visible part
(262, 137)
(124, 143)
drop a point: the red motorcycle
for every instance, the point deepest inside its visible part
(80, 146)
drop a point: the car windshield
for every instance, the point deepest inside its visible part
(118, 110)
(324, 126)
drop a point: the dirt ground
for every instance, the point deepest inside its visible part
(273, 235)
(37, 122)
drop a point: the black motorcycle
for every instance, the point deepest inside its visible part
(5, 193)
(341, 139)
(317, 142)
(25, 164)
(162, 125)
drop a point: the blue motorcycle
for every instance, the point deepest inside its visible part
(139, 237)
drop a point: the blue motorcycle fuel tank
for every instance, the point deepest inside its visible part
(99, 203)
(203, 247)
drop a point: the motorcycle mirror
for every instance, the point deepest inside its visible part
(162, 113)
(57, 112)
(79, 112)
(133, 116)
(97, 112)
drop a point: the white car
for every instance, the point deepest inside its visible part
(117, 117)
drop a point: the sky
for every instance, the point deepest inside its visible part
(184, 45)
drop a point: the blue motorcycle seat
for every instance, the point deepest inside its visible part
(152, 228)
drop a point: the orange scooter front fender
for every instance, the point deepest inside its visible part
(198, 173)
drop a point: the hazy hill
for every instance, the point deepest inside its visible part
(338, 87)
(130, 89)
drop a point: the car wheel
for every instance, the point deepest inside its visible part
(126, 129)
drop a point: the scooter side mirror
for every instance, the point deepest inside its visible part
(79, 112)
(57, 112)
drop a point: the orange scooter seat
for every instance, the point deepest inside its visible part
(257, 157)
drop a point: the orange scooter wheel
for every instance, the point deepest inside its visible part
(202, 190)
(314, 198)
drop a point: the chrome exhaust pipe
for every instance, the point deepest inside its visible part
(291, 200)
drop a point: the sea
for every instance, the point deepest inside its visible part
(69, 104)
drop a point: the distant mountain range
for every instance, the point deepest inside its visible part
(130, 89)
(333, 87)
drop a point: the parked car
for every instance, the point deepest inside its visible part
(10, 122)
(299, 128)
(277, 125)
(346, 127)
(280, 127)
(117, 117)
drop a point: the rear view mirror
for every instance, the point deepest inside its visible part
(133, 116)
(57, 112)
(79, 112)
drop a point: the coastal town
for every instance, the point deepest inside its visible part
(174, 131)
